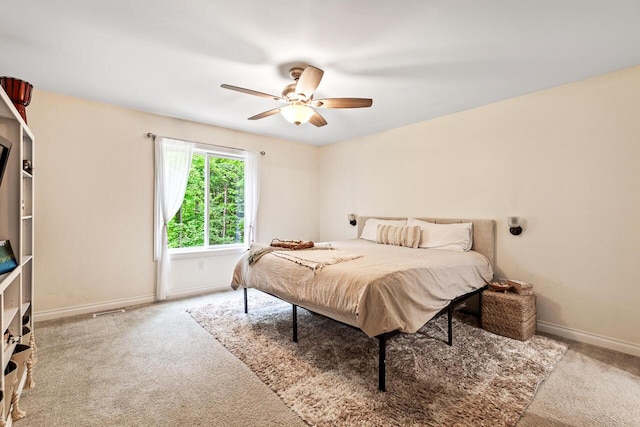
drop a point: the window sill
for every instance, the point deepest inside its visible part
(206, 252)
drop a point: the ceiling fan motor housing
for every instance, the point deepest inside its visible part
(289, 92)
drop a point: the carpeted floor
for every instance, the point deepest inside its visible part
(155, 366)
(330, 376)
(148, 367)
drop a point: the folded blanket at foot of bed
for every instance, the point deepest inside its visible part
(316, 260)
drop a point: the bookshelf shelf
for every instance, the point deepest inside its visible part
(17, 219)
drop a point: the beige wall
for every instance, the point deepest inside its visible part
(94, 211)
(564, 159)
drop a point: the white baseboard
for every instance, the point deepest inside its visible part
(589, 338)
(58, 313)
(551, 328)
(199, 291)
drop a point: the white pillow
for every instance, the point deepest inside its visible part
(455, 237)
(370, 230)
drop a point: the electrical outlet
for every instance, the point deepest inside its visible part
(200, 265)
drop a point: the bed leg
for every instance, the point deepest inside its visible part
(382, 362)
(295, 322)
(480, 308)
(450, 327)
(246, 310)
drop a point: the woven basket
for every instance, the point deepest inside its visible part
(508, 314)
(10, 374)
(26, 335)
(20, 356)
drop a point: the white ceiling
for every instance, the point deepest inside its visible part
(417, 59)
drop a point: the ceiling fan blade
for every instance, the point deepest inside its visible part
(251, 92)
(342, 103)
(317, 120)
(309, 81)
(265, 114)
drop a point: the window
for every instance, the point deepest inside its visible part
(212, 212)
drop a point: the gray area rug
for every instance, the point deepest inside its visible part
(330, 376)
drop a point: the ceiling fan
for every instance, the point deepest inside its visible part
(299, 97)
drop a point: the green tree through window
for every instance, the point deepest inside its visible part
(222, 204)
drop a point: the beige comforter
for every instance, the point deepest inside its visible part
(388, 288)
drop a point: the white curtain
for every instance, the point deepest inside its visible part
(173, 162)
(251, 194)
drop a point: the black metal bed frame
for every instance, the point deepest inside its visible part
(382, 338)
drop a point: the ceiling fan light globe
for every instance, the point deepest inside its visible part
(296, 114)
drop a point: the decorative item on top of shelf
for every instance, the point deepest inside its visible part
(19, 92)
(26, 166)
(7, 259)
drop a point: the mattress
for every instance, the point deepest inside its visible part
(385, 288)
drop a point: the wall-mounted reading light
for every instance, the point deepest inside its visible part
(514, 225)
(352, 219)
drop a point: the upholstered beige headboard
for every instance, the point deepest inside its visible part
(484, 233)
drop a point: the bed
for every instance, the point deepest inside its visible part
(378, 288)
